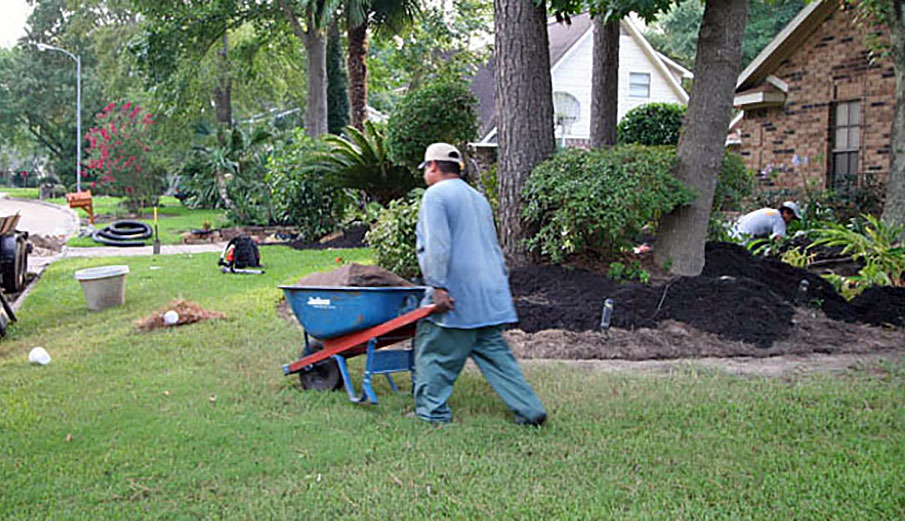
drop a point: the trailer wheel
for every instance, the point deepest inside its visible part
(13, 262)
(324, 375)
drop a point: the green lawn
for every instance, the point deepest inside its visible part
(198, 422)
(23, 193)
(173, 218)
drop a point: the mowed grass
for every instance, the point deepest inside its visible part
(173, 218)
(198, 422)
(22, 193)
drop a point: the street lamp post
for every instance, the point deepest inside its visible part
(78, 109)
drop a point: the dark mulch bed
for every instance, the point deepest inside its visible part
(352, 237)
(738, 297)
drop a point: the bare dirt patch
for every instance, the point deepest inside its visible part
(188, 311)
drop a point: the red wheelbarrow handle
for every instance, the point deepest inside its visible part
(338, 345)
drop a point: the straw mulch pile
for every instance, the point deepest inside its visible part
(189, 313)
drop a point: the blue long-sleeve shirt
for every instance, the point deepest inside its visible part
(458, 250)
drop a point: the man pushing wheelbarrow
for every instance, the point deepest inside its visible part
(464, 307)
(462, 263)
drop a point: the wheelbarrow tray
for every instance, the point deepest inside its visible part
(328, 312)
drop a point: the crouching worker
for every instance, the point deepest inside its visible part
(462, 262)
(766, 222)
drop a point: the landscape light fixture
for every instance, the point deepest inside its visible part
(78, 109)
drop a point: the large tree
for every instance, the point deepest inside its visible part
(605, 81)
(892, 14)
(605, 68)
(317, 15)
(682, 232)
(676, 32)
(389, 16)
(524, 94)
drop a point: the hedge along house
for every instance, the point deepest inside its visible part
(645, 76)
(817, 105)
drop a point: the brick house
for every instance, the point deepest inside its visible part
(817, 104)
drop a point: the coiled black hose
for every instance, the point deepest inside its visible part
(123, 234)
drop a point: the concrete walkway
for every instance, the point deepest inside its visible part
(40, 217)
(165, 249)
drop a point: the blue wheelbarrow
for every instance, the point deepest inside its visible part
(343, 322)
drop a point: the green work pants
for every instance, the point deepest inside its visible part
(440, 354)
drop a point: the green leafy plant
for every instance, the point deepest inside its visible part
(444, 110)
(871, 241)
(301, 194)
(597, 201)
(393, 236)
(227, 169)
(360, 161)
(798, 257)
(621, 272)
(652, 124)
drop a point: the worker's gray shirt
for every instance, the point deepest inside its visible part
(766, 222)
(458, 250)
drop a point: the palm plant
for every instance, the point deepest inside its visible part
(233, 156)
(873, 242)
(391, 16)
(360, 161)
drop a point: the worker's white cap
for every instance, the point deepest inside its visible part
(792, 206)
(442, 152)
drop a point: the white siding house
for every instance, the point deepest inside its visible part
(645, 76)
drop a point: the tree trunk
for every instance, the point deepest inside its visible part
(220, 177)
(223, 89)
(315, 44)
(894, 207)
(605, 83)
(358, 74)
(683, 232)
(524, 94)
(316, 111)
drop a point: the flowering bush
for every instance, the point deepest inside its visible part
(119, 150)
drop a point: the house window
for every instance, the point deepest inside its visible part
(845, 136)
(639, 84)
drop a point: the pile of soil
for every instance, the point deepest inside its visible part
(189, 313)
(352, 237)
(352, 274)
(738, 298)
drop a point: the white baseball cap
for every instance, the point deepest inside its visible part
(442, 152)
(792, 206)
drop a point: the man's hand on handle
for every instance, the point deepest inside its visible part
(443, 301)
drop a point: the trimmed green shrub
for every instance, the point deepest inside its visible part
(301, 196)
(734, 185)
(393, 236)
(440, 111)
(596, 202)
(652, 124)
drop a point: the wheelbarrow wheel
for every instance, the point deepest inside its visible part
(322, 376)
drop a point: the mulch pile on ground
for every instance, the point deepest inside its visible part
(352, 237)
(189, 313)
(737, 298)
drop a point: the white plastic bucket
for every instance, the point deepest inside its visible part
(104, 286)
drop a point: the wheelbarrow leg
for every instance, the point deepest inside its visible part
(347, 380)
(392, 383)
